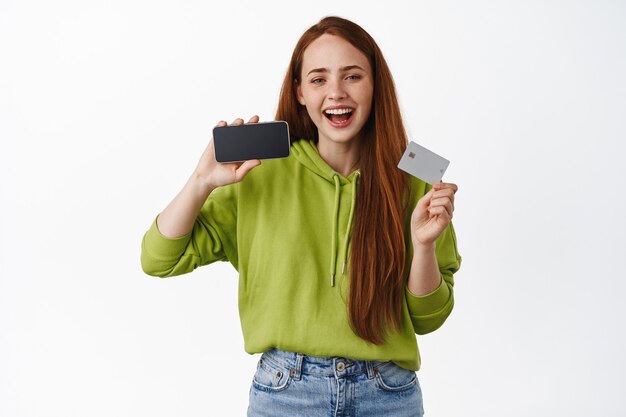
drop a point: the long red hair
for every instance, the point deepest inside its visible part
(378, 254)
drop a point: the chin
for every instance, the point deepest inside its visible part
(338, 138)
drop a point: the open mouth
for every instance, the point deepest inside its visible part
(339, 117)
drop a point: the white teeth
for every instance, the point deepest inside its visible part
(338, 111)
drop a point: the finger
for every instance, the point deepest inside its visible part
(440, 211)
(426, 198)
(444, 194)
(451, 186)
(221, 123)
(446, 185)
(443, 202)
(238, 121)
(437, 210)
(449, 191)
(254, 119)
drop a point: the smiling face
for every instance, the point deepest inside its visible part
(336, 87)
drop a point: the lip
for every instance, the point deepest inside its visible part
(339, 125)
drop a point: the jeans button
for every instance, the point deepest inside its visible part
(341, 366)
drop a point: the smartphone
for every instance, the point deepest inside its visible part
(265, 140)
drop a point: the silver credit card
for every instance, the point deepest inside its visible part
(423, 163)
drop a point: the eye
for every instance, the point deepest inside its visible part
(317, 81)
(353, 77)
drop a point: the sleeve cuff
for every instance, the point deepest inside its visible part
(162, 247)
(431, 303)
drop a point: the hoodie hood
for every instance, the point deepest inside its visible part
(305, 151)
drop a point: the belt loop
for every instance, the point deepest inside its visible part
(295, 373)
(370, 369)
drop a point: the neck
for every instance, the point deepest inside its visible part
(342, 157)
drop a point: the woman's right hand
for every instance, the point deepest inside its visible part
(213, 174)
(180, 215)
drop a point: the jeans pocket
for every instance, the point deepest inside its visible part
(391, 377)
(270, 377)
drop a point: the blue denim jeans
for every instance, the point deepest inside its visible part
(292, 384)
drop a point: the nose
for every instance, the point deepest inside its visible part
(336, 91)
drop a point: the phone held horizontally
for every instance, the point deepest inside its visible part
(265, 140)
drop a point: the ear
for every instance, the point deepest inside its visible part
(299, 94)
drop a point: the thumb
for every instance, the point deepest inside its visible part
(425, 200)
(246, 167)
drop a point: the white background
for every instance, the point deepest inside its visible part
(106, 106)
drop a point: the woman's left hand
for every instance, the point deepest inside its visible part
(433, 213)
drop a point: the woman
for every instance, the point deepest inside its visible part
(342, 258)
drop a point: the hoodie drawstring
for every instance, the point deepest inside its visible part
(334, 243)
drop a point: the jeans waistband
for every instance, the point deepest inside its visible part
(297, 364)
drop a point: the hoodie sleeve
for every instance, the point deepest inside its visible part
(212, 238)
(428, 312)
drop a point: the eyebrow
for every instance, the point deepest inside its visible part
(348, 68)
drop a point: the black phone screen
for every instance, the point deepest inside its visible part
(267, 140)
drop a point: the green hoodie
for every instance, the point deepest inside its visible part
(286, 229)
